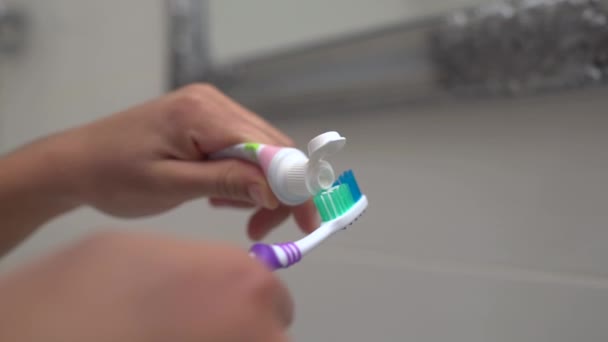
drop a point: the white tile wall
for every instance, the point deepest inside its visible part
(487, 220)
(84, 59)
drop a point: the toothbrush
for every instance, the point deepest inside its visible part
(294, 178)
(339, 207)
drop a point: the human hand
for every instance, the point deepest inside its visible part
(153, 157)
(118, 286)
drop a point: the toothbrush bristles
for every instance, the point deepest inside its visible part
(337, 200)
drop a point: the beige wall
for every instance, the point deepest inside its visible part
(487, 221)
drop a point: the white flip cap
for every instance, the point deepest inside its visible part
(319, 174)
(294, 177)
(325, 145)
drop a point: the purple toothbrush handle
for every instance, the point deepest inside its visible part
(267, 255)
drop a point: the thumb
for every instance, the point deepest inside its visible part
(226, 179)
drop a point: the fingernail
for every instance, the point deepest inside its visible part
(255, 192)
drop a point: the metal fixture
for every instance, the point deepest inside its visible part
(189, 57)
(523, 47)
(12, 29)
(509, 47)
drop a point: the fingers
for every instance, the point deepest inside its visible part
(307, 217)
(233, 180)
(281, 337)
(284, 306)
(270, 293)
(228, 203)
(214, 117)
(276, 136)
(264, 220)
(211, 120)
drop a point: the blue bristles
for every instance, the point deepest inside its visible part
(348, 178)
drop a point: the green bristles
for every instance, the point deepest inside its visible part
(334, 202)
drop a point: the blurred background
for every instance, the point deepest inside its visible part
(477, 129)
